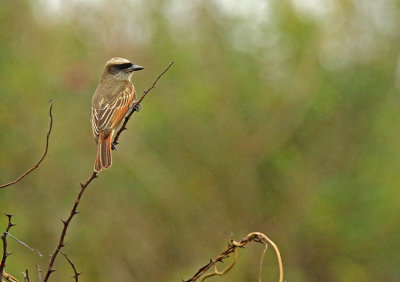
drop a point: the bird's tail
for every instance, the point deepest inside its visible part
(103, 157)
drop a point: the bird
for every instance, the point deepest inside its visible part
(114, 96)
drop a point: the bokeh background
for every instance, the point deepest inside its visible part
(277, 116)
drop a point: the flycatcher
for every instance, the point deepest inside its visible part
(112, 99)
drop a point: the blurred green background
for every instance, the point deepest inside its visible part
(277, 116)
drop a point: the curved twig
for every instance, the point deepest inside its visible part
(223, 272)
(254, 236)
(43, 156)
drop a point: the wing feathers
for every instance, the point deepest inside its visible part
(108, 115)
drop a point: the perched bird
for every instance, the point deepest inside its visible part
(112, 99)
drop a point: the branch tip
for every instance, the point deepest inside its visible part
(41, 159)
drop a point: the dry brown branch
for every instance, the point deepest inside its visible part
(43, 156)
(76, 273)
(73, 212)
(4, 239)
(136, 106)
(254, 236)
(61, 242)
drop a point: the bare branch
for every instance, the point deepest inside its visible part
(254, 236)
(76, 273)
(136, 106)
(73, 212)
(66, 223)
(43, 156)
(4, 239)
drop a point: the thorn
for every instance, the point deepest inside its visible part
(81, 185)
(8, 215)
(51, 270)
(12, 224)
(64, 221)
(75, 212)
(76, 275)
(8, 254)
(62, 245)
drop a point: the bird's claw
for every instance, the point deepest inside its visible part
(136, 107)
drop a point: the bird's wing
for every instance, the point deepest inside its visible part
(109, 114)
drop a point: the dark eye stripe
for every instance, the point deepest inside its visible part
(124, 66)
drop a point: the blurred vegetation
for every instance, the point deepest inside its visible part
(277, 116)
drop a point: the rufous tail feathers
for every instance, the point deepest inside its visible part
(103, 157)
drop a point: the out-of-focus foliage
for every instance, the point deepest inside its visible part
(277, 116)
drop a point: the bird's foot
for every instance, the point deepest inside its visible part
(114, 146)
(136, 107)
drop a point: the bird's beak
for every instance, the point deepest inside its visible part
(136, 68)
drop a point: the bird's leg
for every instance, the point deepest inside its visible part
(113, 146)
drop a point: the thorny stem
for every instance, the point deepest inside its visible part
(254, 236)
(66, 223)
(4, 239)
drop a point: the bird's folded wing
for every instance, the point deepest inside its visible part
(110, 114)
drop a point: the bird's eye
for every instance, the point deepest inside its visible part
(124, 66)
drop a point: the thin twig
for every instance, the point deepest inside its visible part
(254, 236)
(73, 212)
(26, 276)
(76, 273)
(137, 105)
(5, 253)
(39, 271)
(24, 244)
(9, 277)
(43, 156)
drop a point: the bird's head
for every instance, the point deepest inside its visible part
(120, 68)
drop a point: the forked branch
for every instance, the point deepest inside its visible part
(4, 239)
(66, 223)
(41, 159)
